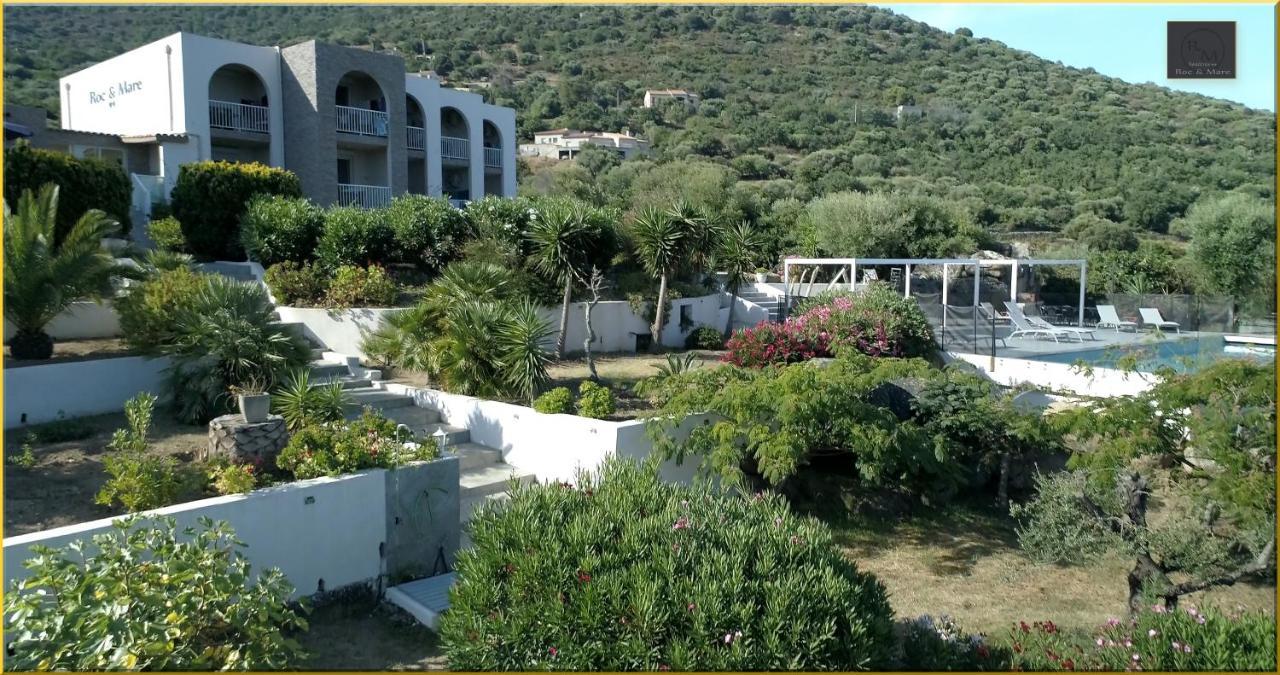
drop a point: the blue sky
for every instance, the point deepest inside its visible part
(1124, 41)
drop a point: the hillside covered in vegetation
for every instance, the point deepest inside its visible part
(797, 103)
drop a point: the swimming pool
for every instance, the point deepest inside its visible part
(1182, 355)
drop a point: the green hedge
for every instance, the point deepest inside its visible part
(85, 183)
(210, 198)
(276, 229)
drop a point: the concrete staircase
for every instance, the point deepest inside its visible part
(771, 303)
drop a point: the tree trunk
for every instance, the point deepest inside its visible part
(564, 316)
(659, 314)
(1002, 493)
(591, 334)
(1144, 572)
(728, 324)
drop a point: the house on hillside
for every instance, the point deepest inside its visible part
(566, 143)
(654, 97)
(351, 123)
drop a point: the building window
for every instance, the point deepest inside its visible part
(95, 152)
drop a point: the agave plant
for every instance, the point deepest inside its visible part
(301, 403)
(42, 277)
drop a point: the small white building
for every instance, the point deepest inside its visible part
(354, 126)
(654, 97)
(566, 143)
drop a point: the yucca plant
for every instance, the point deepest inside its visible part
(42, 277)
(524, 359)
(559, 243)
(300, 402)
(658, 242)
(736, 257)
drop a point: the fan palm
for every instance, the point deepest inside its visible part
(560, 242)
(658, 240)
(737, 257)
(43, 277)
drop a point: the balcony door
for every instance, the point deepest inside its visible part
(344, 171)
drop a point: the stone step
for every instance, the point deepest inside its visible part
(321, 370)
(417, 419)
(473, 455)
(492, 479)
(425, 599)
(300, 329)
(378, 399)
(453, 435)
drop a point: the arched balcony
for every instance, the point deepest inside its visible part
(492, 159)
(455, 154)
(362, 123)
(361, 107)
(239, 115)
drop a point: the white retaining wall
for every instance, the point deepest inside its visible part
(552, 447)
(1061, 377)
(81, 320)
(78, 388)
(341, 330)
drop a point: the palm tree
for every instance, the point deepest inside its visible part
(701, 230)
(42, 277)
(659, 241)
(559, 237)
(737, 257)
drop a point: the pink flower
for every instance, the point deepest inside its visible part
(681, 524)
(553, 651)
(1113, 621)
(777, 522)
(1177, 646)
(1136, 658)
(1152, 633)
(691, 607)
(1159, 609)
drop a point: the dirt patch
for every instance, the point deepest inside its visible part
(66, 351)
(360, 635)
(59, 488)
(967, 563)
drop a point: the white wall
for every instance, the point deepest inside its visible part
(311, 530)
(616, 326)
(137, 92)
(1059, 377)
(78, 388)
(341, 330)
(80, 321)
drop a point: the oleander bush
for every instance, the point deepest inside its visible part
(557, 401)
(941, 644)
(595, 401)
(167, 234)
(704, 337)
(147, 596)
(84, 184)
(337, 448)
(297, 284)
(139, 479)
(353, 286)
(276, 229)
(428, 232)
(354, 236)
(627, 572)
(209, 199)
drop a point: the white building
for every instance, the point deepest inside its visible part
(566, 143)
(351, 123)
(653, 97)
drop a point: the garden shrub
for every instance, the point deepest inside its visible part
(189, 599)
(557, 401)
(276, 228)
(428, 232)
(771, 344)
(139, 479)
(628, 572)
(297, 285)
(595, 401)
(209, 199)
(819, 299)
(235, 479)
(501, 218)
(1157, 639)
(337, 448)
(147, 310)
(361, 287)
(302, 403)
(84, 184)
(354, 236)
(940, 644)
(704, 337)
(167, 234)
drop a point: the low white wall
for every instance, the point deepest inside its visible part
(35, 394)
(552, 447)
(312, 530)
(1060, 377)
(80, 321)
(616, 326)
(341, 330)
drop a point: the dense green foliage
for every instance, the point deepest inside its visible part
(84, 184)
(889, 225)
(301, 402)
(556, 401)
(1217, 427)
(627, 572)
(353, 286)
(704, 337)
(167, 234)
(595, 401)
(189, 597)
(139, 479)
(297, 285)
(336, 448)
(1233, 244)
(354, 236)
(209, 199)
(44, 274)
(148, 308)
(277, 228)
(428, 232)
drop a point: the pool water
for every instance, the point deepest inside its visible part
(1184, 355)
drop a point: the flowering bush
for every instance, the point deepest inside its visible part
(1158, 639)
(628, 572)
(876, 322)
(337, 448)
(940, 643)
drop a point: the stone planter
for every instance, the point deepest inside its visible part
(255, 407)
(233, 438)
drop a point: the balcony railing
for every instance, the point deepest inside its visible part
(364, 196)
(493, 157)
(239, 116)
(416, 138)
(459, 203)
(455, 148)
(361, 121)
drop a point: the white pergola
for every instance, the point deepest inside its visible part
(851, 266)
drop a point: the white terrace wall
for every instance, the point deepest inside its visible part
(35, 394)
(341, 330)
(81, 320)
(1060, 377)
(552, 447)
